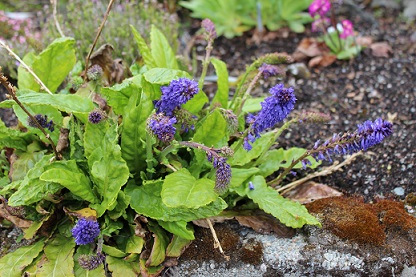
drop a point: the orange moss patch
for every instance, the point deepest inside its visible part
(350, 218)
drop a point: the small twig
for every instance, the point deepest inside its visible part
(25, 66)
(55, 18)
(217, 243)
(87, 60)
(12, 91)
(325, 171)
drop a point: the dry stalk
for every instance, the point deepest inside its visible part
(55, 18)
(12, 92)
(325, 171)
(25, 66)
(217, 243)
(100, 29)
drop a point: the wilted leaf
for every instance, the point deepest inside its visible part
(177, 246)
(160, 242)
(324, 60)
(311, 191)
(265, 224)
(381, 49)
(17, 221)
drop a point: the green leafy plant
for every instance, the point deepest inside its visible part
(233, 17)
(113, 188)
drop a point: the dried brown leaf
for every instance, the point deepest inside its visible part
(311, 191)
(63, 141)
(323, 61)
(364, 41)
(17, 221)
(381, 49)
(266, 224)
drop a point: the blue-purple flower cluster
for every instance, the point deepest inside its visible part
(161, 126)
(222, 171)
(43, 121)
(95, 117)
(367, 134)
(91, 262)
(274, 110)
(268, 70)
(85, 231)
(176, 94)
(173, 96)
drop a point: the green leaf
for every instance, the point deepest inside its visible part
(182, 190)
(52, 65)
(177, 246)
(134, 244)
(32, 189)
(13, 138)
(79, 271)
(253, 105)
(178, 228)
(108, 170)
(161, 241)
(13, 264)
(143, 49)
(24, 163)
(221, 96)
(120, 267)
(277, 158)
(146, 200)
(123, 202)
(163, 76)
(239, 175)
(196, 103)
(67, 174)
(118, 95)
(290, 213)
(59, 252)
(242, 156)
(162, 53)
(113, 251)
(154, 78)
(212, 131)
(69, 103)
(133, 136)
(93, 136)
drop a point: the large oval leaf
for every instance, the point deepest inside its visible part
(181, 189)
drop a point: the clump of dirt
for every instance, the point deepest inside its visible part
(202, 249)
(381, 228)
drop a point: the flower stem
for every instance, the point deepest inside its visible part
(205, 63)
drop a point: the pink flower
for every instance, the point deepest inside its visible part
(319, 7)
(347, 29)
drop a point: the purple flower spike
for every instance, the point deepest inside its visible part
(373, 133)
(269, 70)
(176, 94)
(209, 26)
(274, 110)
(85, 231)
(161, 126)
(319, 7)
